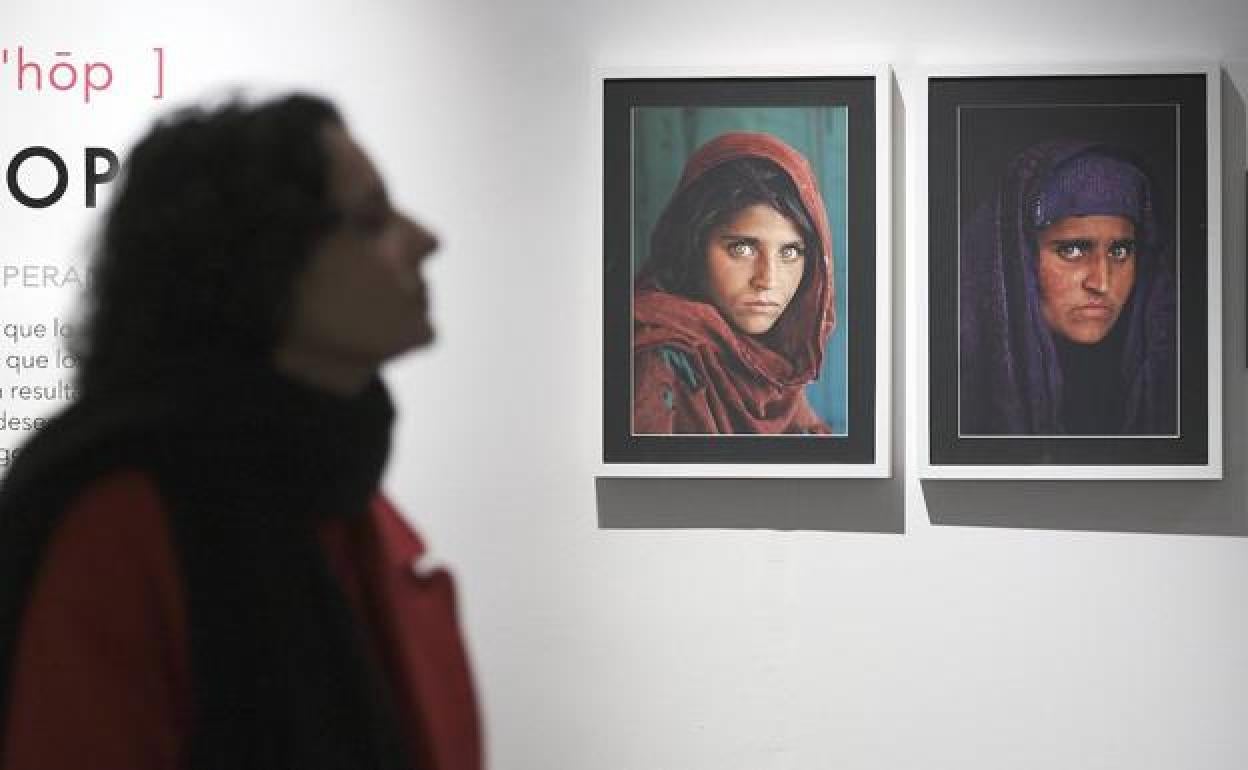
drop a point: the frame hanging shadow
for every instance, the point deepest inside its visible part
(828, 505)
(1161, 507)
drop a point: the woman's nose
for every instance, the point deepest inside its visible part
(1097, 279)
(764, 272)
(423, 242)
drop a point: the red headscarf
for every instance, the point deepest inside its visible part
(758, 381)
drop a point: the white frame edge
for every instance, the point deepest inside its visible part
(882, 467)
(918, 198)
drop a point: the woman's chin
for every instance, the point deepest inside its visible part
(423, 337)
(754, 326)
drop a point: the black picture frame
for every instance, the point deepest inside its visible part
(862, 448)
(989, 138)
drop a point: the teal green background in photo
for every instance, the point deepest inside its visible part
(664, 137)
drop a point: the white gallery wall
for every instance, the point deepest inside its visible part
(717, 624)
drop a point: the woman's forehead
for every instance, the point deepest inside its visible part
(353, 177)
(1091, 225)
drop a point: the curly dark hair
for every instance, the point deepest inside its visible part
(678, 244)
(218, 210)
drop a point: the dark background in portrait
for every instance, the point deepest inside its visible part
(999, 117)
(621, 96)
(992, 136)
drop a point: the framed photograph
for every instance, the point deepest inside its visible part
(745, 294)
(1071, 287)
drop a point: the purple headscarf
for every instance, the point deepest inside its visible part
(1011, 370)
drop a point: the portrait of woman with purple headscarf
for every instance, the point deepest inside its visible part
(1067, 300)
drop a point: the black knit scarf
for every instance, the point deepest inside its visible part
(246, 464)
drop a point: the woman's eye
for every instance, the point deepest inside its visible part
(791, 253)
(372, 220)
(1121, 252)
(740, 249)
(1069, 251)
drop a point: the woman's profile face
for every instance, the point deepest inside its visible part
(1086, 268)
(754, 265)
(362, 298)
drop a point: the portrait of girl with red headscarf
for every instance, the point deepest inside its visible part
(733, 309)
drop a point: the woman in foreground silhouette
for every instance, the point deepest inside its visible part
(198, 570)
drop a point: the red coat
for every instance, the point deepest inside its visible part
(102, 676)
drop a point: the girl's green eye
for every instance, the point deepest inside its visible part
(792, 253)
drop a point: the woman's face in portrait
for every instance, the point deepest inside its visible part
(1086, 268)
(754, 265)
(362, 298)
